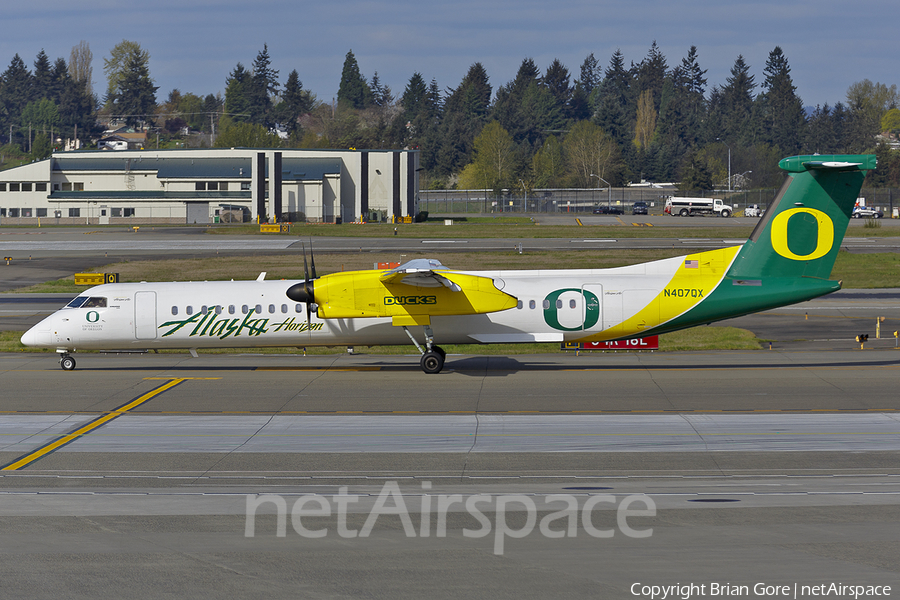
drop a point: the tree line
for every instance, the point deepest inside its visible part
(604, 125)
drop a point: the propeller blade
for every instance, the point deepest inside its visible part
(312, 258)
(305, 266)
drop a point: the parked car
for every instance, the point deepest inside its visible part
(867, 212)
(640, 208)
(753, 211)
(607, 210)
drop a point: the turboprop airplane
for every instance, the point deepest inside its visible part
(788, 259)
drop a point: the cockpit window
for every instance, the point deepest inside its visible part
(77, 302)
(95, 302)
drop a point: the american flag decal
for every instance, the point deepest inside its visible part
(691, 264)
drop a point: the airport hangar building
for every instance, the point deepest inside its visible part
(140, 187)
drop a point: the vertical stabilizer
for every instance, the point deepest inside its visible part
(801, 232)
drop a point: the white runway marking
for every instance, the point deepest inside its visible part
(466, 433)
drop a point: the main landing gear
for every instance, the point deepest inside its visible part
(432, 360)
(66, 361)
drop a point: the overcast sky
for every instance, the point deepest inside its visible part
(195, 44)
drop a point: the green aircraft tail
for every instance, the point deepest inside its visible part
(790, 254)
(801, 232)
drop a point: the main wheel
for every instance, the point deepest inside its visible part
(67, 363)
(432, 362)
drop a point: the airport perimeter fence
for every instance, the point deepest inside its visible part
(577, 200)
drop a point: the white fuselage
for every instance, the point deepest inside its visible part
(553, 306)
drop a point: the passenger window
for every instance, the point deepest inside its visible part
(174, 310)
(271, 308)
(558, 304)
(571, 303)
(245, 309)
(189, 310)
(546, 304)
(298, 308)
(520, 305)
(284, 308)
(204, 309)
(231, 309)
(259, 309)
(218, 309)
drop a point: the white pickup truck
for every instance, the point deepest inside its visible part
(686, 207)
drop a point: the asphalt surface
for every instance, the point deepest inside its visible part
(777, 466)
(160, 476)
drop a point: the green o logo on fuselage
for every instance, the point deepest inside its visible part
(824, 237)
(92, 316)
(591, 309)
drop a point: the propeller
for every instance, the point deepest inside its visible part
(305, 291)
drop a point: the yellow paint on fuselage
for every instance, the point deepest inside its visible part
(361, 294)
(697, 276)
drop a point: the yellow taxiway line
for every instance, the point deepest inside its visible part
(89, 427)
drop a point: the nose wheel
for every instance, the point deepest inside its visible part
(67, 362)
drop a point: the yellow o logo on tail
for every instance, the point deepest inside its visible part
(824, 242)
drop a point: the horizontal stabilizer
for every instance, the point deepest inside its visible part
(826, 162)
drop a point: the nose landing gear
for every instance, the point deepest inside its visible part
(66, 362)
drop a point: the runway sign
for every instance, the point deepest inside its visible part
(646, 343)
(96, 278)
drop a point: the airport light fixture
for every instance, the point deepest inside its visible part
(729, 162)
(608, 188)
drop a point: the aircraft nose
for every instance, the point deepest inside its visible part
(29, 338)
(38, 336)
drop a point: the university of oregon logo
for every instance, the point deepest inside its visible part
(92, 316)
(591, 309)
(824, 239)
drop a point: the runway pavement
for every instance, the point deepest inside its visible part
(168, 474)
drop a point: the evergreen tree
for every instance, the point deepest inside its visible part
(651, 74)
(820, 136)
(295, 102)
(77, 109)
(615, 112)
(353, 92)
(591, 75)
(238, 93)
(59, 80)
(42, 80)
(264, 86)
(557, 81)
(15, 93)
(781, 112)
(737, 103)
(465, 113)
(135, 95)
(694, 175)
